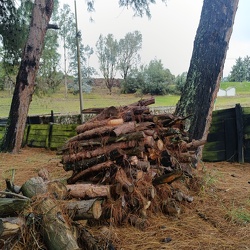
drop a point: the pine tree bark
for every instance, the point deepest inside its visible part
(25, 81)
(206, 66)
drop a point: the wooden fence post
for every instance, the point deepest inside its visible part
(240, 129)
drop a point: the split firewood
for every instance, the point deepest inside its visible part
(86, 190)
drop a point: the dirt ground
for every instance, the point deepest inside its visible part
(218, 217)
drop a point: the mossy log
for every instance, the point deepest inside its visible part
(12, 206)
(56, 230)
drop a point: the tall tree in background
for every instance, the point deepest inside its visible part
(67, 25)
(48, 78)
(25, 81)
(129, 47)
(107, 53)
(68, 36)
(241, 70)
(13, 34)
(206, 66)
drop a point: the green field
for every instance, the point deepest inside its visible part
(100, 98)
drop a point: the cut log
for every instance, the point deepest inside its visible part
(125, 128)
(87, 163)
(99, 151)
(33, 187)
(85, 209)
(90, 125)
(10, 226)
(98, 167)
(149, 141)
(144, 102)
(100, 131)
(12, 206)
(122, 178)
(57, 232)
(97, 124)
(168, 178)
(106, 113)
(86, 190)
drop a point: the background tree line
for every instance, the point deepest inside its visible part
(114, 56)
(240, 71)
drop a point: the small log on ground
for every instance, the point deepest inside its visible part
(56, 230)
(84, 209)
(33, 187)
(88, 190)
(12, 206)
(36, 185)
(10, 226)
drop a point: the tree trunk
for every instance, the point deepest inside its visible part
(206, 66)
(25, 81)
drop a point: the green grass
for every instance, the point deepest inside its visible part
(100, 98)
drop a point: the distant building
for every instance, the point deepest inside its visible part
(231, 91)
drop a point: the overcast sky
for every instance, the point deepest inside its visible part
(168, 35)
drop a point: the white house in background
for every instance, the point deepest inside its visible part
(222, 92)
(231, 91)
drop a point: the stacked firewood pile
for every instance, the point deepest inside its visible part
(128, 156)
(123, 162)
